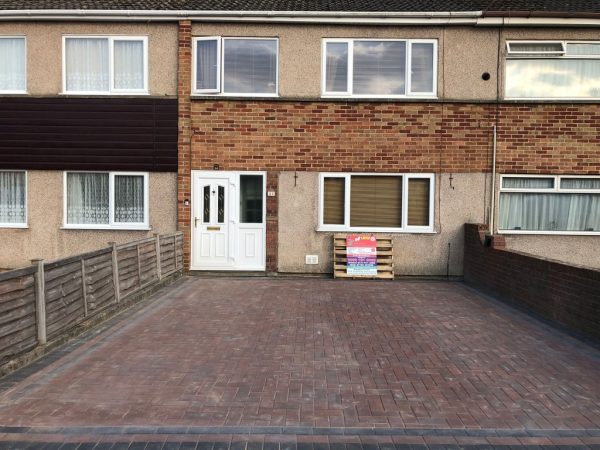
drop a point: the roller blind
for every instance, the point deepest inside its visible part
(379, 67)
(333, 201)
(250, 66)
(418, 202)
(376, 201)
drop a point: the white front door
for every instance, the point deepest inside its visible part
(228, 221)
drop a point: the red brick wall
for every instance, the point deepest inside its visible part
(184, 74)
(549, 138)
(337, 136)
(389, 137)
(564, 294)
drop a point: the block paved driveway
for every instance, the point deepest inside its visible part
(292, 359)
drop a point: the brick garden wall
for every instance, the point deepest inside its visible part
(564, 294)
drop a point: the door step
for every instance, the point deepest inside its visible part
(227, 273)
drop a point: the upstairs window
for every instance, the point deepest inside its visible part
(376, 202)
(550, 204)
(235, 66)
(105, 65)
(13, 75)
(106, 200)
(13, 199)
(552, 70)
(379, 68)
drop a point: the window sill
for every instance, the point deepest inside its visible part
(104, 94)
(15, 226)
(105, 227)
(200, 95)
(379, 97)
(549, 233)
(373, 230)
(551, 100)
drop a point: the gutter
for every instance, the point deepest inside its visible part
(375, 18)
(474, 18)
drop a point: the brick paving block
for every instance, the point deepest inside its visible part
(306, 353)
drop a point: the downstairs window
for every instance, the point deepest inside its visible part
(550, 204)
(376, 202)
(106, 200)
(13, 199)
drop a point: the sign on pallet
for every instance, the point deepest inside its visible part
(361, 254)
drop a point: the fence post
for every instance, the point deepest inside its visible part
(84, 288)
(175, 249)
(115, 267)
(40, 301)
(158, 269)
(137, 248)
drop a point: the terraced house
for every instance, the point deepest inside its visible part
(298, 120)
(88, 133)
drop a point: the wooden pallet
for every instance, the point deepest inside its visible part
(385, 258)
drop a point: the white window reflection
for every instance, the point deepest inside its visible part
(553, 78)
(250, 66)
(574, 73)
(337, 67)
(379, 68)
(235, 66)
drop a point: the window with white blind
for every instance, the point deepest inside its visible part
(387, 68)
(13, 71)
(552, 70)
(105, 65)
(376, 202)
(13, 199)
(235, 66)
(106, 200)
(549, 204)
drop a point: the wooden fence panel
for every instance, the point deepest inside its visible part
(179, 249)
(167, 254)
(77, 287)
(64, 295)
(129, 277)
(18, 332)
(100, 289)
(148, 262)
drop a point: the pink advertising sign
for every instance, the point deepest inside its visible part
(361, 254)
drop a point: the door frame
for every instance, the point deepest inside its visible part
(233, 227)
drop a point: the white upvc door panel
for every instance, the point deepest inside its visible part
(220, 238)
(251, 247)
(211, 224)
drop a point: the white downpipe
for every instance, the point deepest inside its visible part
(493, 202)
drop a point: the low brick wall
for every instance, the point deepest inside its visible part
(564, 294)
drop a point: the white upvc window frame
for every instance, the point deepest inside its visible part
(23, 224)
(512, 54)
(553, 190)
(17, 91)
(347, 202)
(409, 93)
(528, 54)
(219, 91)
(111, 40)
(112, 225)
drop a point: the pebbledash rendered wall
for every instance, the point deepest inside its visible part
(293, 139)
